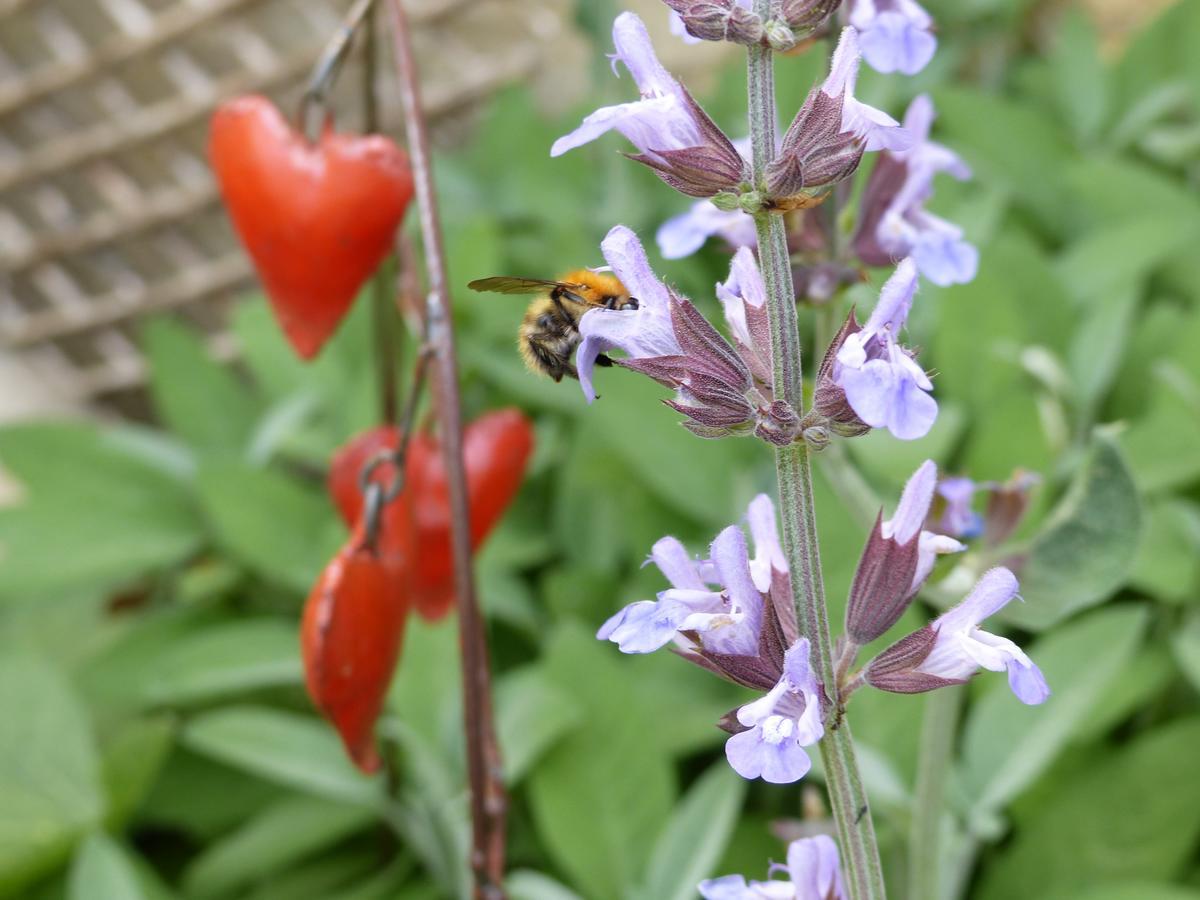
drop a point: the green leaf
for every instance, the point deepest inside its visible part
(225, 659)
(1134, 890)
(1007, 745)
(650, 442)
(102, 871)
(1084, 550)
(284, 747)
(695, 838)
(532, 713)
(1168, 559)
(1132, 814)
(1080, 79)
(202, 799)
(609, 767)
(198, 399)
(1098, 346)
(1009, 143)
(96, 512)
(1161, 446)
(525, 884)
(1118, 255)
(1186, 645)
(269, 521)
(49, 770)
(272, 840)
(133, 757)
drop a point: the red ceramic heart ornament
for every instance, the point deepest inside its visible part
(316, 219)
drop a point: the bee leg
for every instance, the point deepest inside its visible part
(603, 360)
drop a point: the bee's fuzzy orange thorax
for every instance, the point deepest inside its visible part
(602, 283)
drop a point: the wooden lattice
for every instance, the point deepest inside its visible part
(108, 211)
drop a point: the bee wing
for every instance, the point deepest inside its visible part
(507, 284)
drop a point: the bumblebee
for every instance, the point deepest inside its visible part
(549, 332)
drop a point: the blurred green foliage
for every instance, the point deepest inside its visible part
(155, 740)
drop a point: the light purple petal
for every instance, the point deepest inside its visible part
(814, 868)
(944, 258)
(912, 411)
(769, 751)
(636, 51)
(895, 300)
(914, 504)
(885, 393)
(929, 547)
(675, 22)
(676, 563)
(843, 68)
(1027, 681)
(896, 44)
(684, 234)
(644, 332)
(602, 120)
(959, 518)
(732, 563)
(876, 129)
(768, 552)
(728, 887)
(918, 119)
(991, 594)
(624, 252)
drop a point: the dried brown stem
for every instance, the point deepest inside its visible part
(489, 803)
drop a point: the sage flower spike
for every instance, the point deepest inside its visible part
(674, 135)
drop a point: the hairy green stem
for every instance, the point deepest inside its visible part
(938, 728)
(856, 831)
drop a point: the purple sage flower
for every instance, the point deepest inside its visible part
(780, 724)
(875, 128)
(674, 135)
(826, 140)
(882, 382)
(953, 647)
(644, 332)
(893, 220)
(667, 339)
(714, 606)
(684, 234)
(895, 35)
(958, 518)
(743, 297)
(896, 561)
(813, 872)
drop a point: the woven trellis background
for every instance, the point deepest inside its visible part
(108, 212)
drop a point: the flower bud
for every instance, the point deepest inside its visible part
(726, 201)
(718, 20)
(806, 16)
(779, 36)
(882, 586)
(817, 437)
(780, 425)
